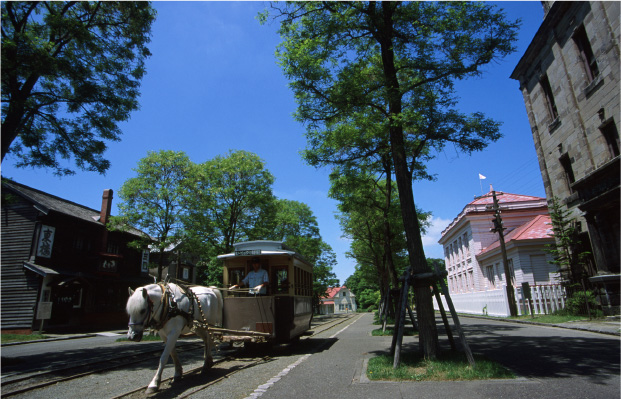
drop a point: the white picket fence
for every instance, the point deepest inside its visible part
(545, 299)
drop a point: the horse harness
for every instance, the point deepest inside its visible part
(170, 309)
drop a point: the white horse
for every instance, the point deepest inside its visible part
(171, 311)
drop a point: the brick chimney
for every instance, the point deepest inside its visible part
(106, 206)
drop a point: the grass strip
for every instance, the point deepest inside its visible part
(449, 366)
(8, 338)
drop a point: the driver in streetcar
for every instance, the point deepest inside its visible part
(257, 279)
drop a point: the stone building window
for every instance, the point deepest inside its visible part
(611, 135)
(549, 97)
(586, 53)
(569, 171)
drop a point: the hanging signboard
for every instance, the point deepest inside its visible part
(46, 241)
(145, 261)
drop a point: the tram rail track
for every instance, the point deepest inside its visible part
(40, 380)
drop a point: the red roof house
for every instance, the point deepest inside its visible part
(338, 300)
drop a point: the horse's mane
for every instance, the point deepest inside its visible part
(135, 303)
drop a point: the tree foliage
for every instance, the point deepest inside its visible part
(229, 198)
(152, 201)
(210, 206)
(391, 66)
(572, 261)
(71, 72)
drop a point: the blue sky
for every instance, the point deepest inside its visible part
(213, 85)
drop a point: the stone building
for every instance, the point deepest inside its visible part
(569, 77)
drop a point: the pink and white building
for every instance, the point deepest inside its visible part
(476, 277)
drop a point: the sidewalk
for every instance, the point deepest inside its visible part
(610, 326)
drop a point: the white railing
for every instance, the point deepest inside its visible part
(545, 299)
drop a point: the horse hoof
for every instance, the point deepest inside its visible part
(175, 380)
(151, 391)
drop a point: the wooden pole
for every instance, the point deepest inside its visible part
(412, 318)
(401, 323)
(447, 327)
(501, 235)
(462, 337)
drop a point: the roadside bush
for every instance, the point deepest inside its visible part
(577, 304)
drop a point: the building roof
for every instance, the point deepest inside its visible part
(485, 202)
(45, 203)
(332, 291)
(504, 198)
(539, 227)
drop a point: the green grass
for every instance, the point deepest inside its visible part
(551, 318)
(7, 338)
(389, 331)
(450, 366)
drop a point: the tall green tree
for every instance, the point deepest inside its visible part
(296, 226)
(567, 251)
(394, 63)
(71, 72)
(228, 199)
(152, 201)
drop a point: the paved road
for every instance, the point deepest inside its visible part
(551, 363)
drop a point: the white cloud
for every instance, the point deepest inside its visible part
(430, 239)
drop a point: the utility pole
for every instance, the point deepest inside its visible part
(500, 230)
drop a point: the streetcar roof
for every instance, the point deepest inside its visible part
(261, 248)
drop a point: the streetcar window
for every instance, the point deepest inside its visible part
(236, 275)
(281, 278)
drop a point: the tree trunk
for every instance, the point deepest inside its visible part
(428, 333)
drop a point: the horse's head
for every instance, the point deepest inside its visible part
(139, 308)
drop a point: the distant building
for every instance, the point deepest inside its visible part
(61, 264)
(178, 265)
(338, 300)
(569, 77)
(473, 258)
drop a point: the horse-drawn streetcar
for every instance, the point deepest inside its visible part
(284, 310)
(278, 309)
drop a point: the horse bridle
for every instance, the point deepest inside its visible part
(149, 316)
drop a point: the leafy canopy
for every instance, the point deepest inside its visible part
(71, 72)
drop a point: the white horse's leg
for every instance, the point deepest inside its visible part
(208, 362)
(178, 367)
(171, 339)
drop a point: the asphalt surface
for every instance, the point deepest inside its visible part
(550, 362)
(572, 360)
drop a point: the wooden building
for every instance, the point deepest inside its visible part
(476, 278)
(60, 263)
(338, 300)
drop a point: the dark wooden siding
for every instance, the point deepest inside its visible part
(19, 287)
